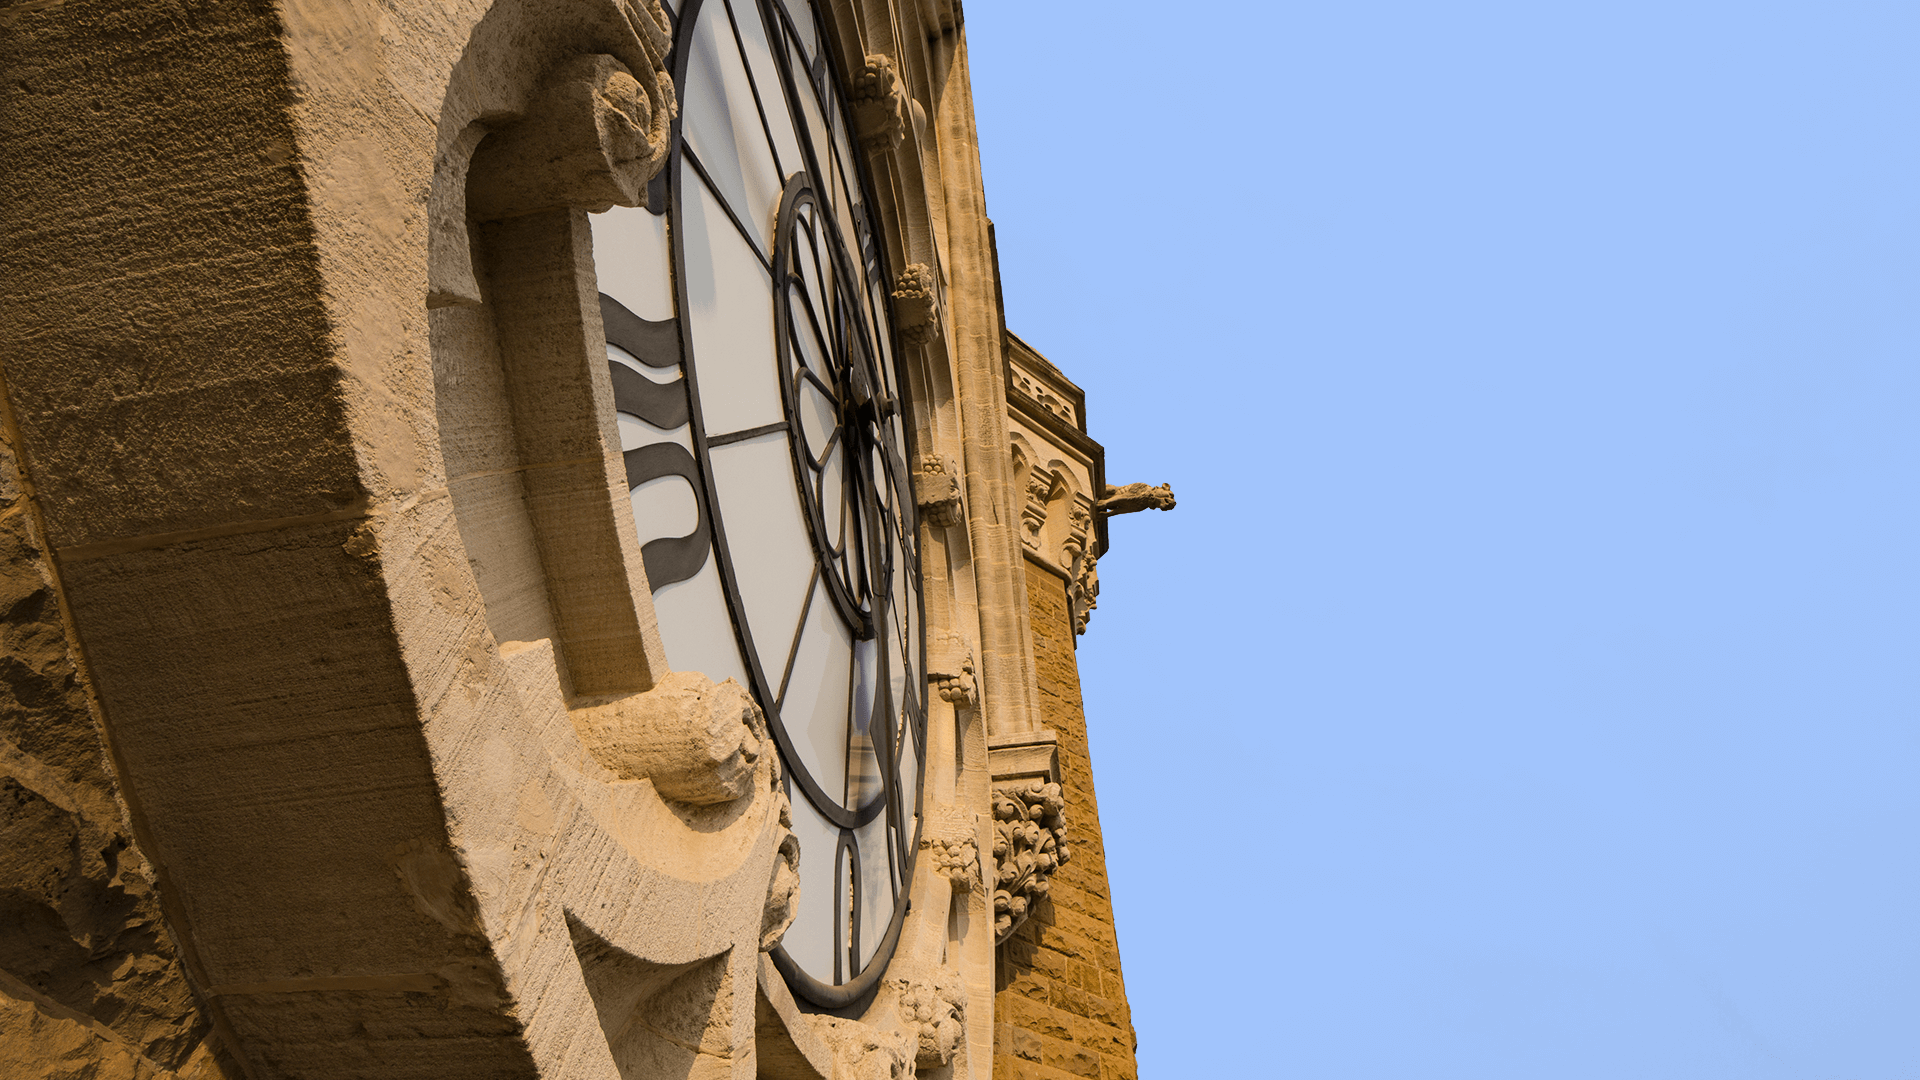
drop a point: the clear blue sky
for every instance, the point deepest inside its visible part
(1526, 685)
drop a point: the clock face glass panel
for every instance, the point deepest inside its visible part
(761, 413)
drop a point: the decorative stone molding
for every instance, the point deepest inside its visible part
(1026, 383)
(950, 669)
(1133, 498)
(1030, 843)
(879, 103)
(936, 490)
(591, 139)
(1080, 561)
(1033, 515)
(934, 1010)
(1083, 592)
(916, 304)
(698, 741)
(783, 889)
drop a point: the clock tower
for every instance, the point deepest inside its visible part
(533, 553)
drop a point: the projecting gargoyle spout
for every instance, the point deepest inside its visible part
(1133, 498)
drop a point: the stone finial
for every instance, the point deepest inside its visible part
(1029, 844)
(936, 491)
(593, 136)
(879, 103)
(698, 741)
(916, 303)
(1133, 498)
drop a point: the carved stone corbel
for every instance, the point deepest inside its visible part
(592, 138)
(879, 104)
(863, 1051)
(1030, 843)
(594, 133)
(916, 304)
(936, 491)
(950, 669)
(698, 741)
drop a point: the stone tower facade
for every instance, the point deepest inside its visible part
(339, 735)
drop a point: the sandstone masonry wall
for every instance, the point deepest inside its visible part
(1060, 1007)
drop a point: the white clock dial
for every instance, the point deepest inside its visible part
(763, 419)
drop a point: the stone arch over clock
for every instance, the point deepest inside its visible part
(763, 411)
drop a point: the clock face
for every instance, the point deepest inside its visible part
(760, 408)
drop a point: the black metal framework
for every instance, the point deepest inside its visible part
(835, 357)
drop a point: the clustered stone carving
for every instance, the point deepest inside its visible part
(1133, 498)
(958, 860)
(1029, 844)
(1033, 515)
(934, 1010)
(936, 491)
(879, 103)
(697, 740)
(916, 303)
(951, 670)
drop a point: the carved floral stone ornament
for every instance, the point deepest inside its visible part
(1029, 844)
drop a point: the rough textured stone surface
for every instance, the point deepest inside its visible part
(1061, 1004)
(90, 985)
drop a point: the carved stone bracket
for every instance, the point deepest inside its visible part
(916, 304)
(879, 103)
(950, 670)
(592, 139)
(697, 740)
(936, 491)
(1030, 843)
(863, 1051)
